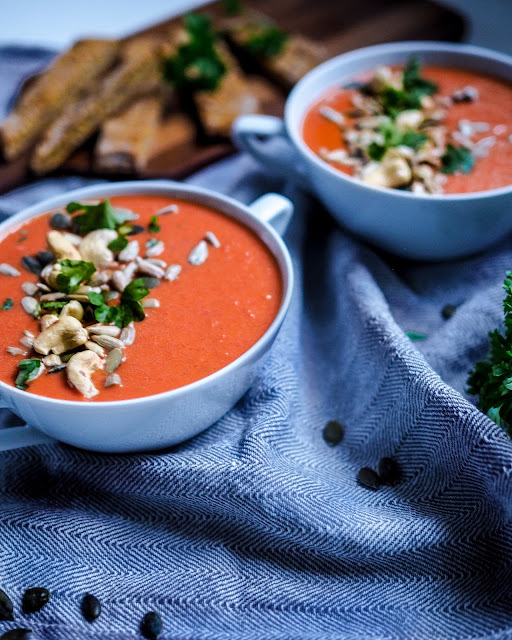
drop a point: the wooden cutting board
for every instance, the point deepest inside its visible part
(339, 26)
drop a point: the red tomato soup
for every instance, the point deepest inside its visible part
(208, 316)
(493, 107)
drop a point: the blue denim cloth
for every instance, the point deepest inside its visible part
(256, 529)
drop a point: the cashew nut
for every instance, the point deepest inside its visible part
(384, 77)
(394, 171)
(47, 320)
(94, 247)
(61, 247)
(73, 308)
(64, 335)
(409, 119)
(49, 274)
(80, 368)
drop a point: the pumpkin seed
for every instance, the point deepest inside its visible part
(333, 433)
(44, 257)
(29, 288)
(150, 282)
(368, 478)
(113, 379)
(35, 599)
(114, 359)
(91, 607)
(172, 272)
(212, 239)
(61, 220)
(448, 310)
(6, 607)
(198, 254)
(32, 264)
(151, 625)
(171, 208)
(128, 335)
(16, 634)
(389, 471)
(8, 270)
(31, 306)
(136, 228)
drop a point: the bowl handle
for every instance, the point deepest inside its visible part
(274, 209)
(252, 133)
(24, 436)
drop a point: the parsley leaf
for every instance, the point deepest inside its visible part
(94, 216)
(196, 65)
(491, 379)
(457, 159)
(120, 243)
(414, 88)
(153, 226)
(54, 305)
(29, 370)
(128, 310)
(268, 41)
(393, 137)
(7, 304)
(414, 83)
(73, 273)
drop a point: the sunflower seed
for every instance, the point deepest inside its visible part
(331, 114)
(130, 252)
(499, 129)
(128, 335)
(172, 208)
(32, 264)
(104, 330)
(27, 342)
(150, 303)
(52, 297)
(198, 254)
(114, 359)
(91, 607)
(16, 351)
(155, 249)
(151, 625)
(61, 220)
(41, 286)
(120, 280)
(6, 607)
(368, 478)
(113, 379)
(212, 239)
(31, 306)
(29, 288)
(157, 262)
(109, 342)
(52, 360)
(35, 599)
(150, 269)
(92, 346)
(172, 272)
(8, 270)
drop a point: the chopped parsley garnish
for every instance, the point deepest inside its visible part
(120, 243)
(267, 41)
(93, 216)
(73, 273)
(491, 379)
(29, 369)
(196, 65)
(153, 226)
(129, 308)
(457, 159)
(414, 335)
(393, 137)
(54, 305)
(7, 304)
(409, 97)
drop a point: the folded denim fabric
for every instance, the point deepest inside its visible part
(257, 529)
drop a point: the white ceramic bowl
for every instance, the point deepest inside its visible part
(166, 418)
(428, 227)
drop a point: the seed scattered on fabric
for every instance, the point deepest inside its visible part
(448, 310)
(91, 607)
(151, 625)
(16, 634)
(389, 471)
(6, 607)
(35, 599)
(368, 478)
(333, 433)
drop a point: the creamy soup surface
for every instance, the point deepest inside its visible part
(207, 317)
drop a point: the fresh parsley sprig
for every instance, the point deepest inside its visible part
(393, 137)
(98, 216)
(73, 273)
(457, 159)
(491, 379)
(7, 304)
(197, 64)
(267, 41)
(153, 226)
(129, 308)
(29, 370)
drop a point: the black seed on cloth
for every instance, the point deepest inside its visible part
(6, 608)
(389, 471)
(16, 634)
(151, 625)
(368, 478)
(333, 433)
(91, 607)
(35, 599)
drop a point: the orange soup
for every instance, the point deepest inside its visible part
(211, 290)
(460, 141)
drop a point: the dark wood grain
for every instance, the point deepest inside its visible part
(339, 26)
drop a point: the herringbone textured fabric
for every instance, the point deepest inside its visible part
(256, 529)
